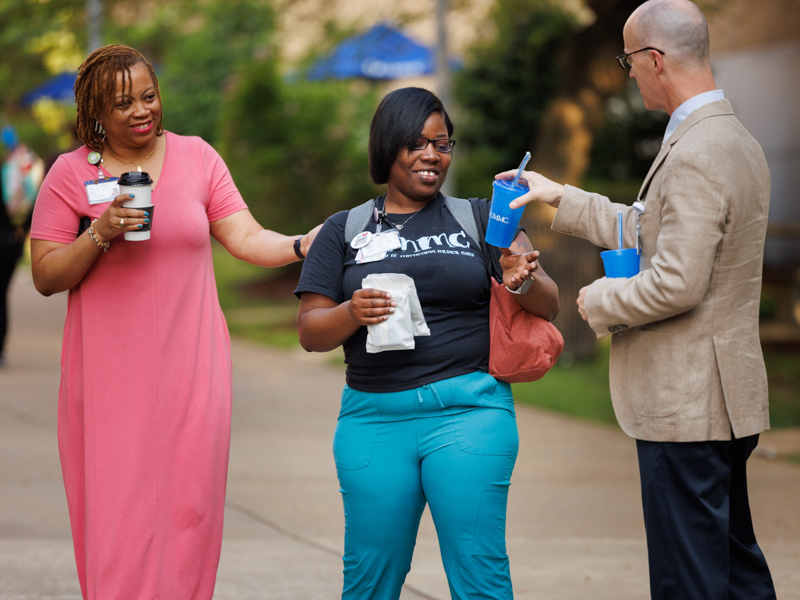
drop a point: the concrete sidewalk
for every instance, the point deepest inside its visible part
(574, 526)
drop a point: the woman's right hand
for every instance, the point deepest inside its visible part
(518, 267)
(324, 324)
(117, 219)
(58, 267)
(370, 306)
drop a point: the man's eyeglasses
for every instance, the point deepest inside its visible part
(623, 61)
(440, 144)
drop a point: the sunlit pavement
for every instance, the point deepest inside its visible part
(574, 526)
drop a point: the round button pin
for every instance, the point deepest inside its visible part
(361, 240)
(93, 158)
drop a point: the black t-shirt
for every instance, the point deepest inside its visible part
(452, 283)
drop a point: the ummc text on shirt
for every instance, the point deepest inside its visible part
(427, 242)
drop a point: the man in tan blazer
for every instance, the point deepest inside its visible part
(687, 374)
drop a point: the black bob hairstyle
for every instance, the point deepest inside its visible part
(398, 123)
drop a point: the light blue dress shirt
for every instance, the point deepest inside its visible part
(688, 107)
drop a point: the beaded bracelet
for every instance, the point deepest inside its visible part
(104, 245)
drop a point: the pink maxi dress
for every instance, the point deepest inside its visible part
(145, 398)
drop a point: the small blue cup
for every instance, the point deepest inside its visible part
(620, 263)
(503, 221)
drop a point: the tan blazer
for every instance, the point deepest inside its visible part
(686, 361)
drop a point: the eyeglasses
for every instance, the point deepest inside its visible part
(623, 61)
(439, 144)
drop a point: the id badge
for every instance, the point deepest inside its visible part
(99, 191)
(378, 245)
(362, 258)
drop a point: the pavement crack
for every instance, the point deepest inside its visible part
(24, 417)
(301, 539)
(241, 509)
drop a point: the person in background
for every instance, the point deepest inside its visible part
(20, 177)
(426, 425)
(687, 374)
(144, 407)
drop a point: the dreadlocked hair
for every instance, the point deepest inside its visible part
(96, 87)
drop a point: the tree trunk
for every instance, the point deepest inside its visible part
(590, 77)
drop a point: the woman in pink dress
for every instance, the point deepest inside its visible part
(145, 396)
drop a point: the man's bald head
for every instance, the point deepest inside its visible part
(677, 27)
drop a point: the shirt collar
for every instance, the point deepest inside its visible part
(688, 107)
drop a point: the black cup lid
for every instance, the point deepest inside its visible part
(135, 178)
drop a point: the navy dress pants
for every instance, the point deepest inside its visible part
(700, 538)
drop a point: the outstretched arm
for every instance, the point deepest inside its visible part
(245, 239)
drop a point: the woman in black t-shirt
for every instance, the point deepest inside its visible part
(428, 424)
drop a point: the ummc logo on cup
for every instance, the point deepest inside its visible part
(497, 217)
(503, 220)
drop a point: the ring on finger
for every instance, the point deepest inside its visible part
(122, 222)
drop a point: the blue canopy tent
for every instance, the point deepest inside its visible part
(58, 88)
(380, 53)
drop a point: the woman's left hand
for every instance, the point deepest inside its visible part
(518, 267)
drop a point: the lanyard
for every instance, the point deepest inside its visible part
(638, 206)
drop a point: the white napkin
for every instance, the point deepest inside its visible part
(398, 331)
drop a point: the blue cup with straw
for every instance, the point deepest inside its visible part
(622, 262)
(504, 221)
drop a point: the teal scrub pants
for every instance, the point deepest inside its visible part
(452, 444)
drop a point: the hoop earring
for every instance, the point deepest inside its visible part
(98, 127)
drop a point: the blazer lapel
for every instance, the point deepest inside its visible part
(719, 107)
(662, 154)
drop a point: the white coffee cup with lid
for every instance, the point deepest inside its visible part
(140, 185)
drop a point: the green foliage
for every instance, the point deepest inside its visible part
(37, 41)
(199, 71)
(629, 139)
(196, 49)
(29, 30)
(506, 84)
(297, 151)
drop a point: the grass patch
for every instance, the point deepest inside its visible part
(255, 317)
(272, 325)
(784, 382)
(579, 389)
(230, 274)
